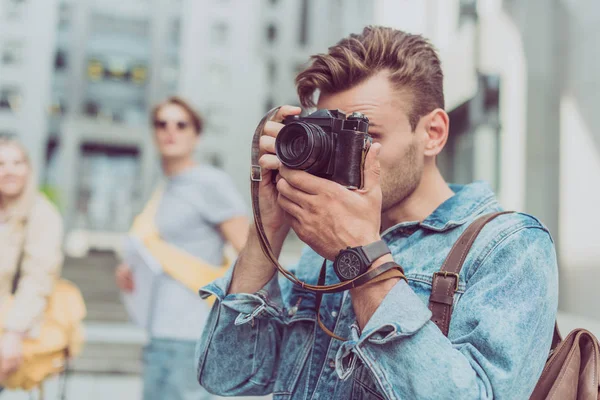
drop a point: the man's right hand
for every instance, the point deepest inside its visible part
(253, 270)
(274, 219)
(124, 277)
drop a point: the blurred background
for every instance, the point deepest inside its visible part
(78, 78)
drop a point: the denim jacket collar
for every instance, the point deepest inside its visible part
(468, 201)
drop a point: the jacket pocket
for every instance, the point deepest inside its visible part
(297, 341)
(364, 386)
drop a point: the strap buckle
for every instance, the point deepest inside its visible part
(445, 274)
(256, 173)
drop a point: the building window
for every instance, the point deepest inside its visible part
(271, 33)
(12, 53)
(64, 16)
(57, 106)
(303, 37)
(272, 70)
(13, 9)
(219, 34)
(7, 134)
(60, 60)
(10, 99)
(467, 11)
(91, 108)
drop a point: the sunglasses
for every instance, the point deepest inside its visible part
(180, 125)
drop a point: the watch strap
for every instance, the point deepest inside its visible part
(383, 272)
(375, 250)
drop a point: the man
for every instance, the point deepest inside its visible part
(183, 228)
(262, 332)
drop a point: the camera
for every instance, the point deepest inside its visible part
(326, 144)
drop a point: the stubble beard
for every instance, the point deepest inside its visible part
(401, 181)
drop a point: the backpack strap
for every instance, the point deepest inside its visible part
(445, 281)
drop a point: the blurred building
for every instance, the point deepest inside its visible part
(26, 66)
(522, 84)
(115, 60)
(239, 59)
(94, 69)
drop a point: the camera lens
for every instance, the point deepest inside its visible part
(302, 145)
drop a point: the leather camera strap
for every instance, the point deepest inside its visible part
(445, 281)
(380, 273)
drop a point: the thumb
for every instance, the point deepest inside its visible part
(372, 167)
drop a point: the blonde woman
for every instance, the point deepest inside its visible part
(31, 234)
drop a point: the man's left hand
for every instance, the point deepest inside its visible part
(327, 216)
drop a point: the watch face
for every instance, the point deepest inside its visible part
(348, 265)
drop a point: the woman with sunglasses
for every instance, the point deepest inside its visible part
(196, 211)
(31, 234)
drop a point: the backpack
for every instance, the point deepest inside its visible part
(572, 369)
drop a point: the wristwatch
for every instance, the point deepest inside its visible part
(355, 261)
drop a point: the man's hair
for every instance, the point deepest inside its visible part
(411, 60)
(195, 117)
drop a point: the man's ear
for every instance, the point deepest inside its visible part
(437, 125)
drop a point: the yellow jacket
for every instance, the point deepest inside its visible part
(35, 228)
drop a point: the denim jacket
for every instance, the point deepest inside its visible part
(499, 339)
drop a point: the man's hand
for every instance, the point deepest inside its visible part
(124, 277)
(329, 217)
(253, 270)
(275, 222)
(11, 353)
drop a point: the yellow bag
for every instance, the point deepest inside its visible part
(189, 270)
(60, 337)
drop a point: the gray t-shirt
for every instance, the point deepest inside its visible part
(194, 204)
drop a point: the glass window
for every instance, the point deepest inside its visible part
(303, 37)
(272, 70)
(10, 99)
(12, 53)
(64, 16)
(271, 33)
(13, 9)
(7, 134)
(60, 60)
(219, 34)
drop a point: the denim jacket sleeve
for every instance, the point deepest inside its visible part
(241, 350)
(500, 332)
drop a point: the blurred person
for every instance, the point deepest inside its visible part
(31, 233)
(262, 336)
(184, 227)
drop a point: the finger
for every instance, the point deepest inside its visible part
(269, 162)
(299, 197)
(372, 168)
(289, 206)
(272, 129)
(286, 111)
(267, 144)
(304, 181)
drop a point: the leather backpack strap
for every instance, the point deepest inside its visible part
(445, 281)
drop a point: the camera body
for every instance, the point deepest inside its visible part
(327, 144)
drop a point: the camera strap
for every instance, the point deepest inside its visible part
(381, 273)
